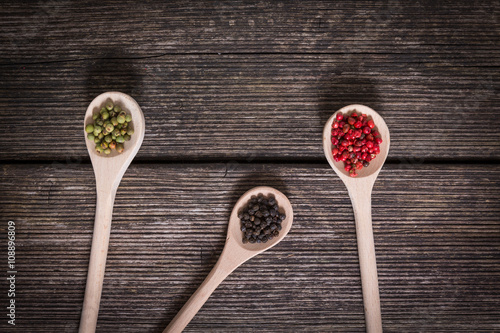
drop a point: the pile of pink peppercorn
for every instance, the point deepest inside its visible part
(355, 141)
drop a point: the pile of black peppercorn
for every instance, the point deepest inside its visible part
(260, 219)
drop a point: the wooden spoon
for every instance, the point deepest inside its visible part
(360, 189)
(233, 255)
(109, 170)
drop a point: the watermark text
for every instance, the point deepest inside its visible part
(11, 272)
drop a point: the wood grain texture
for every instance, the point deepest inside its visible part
(436, 230)
(238, 82)
(255, 107)
(45, 31)
(252, 81)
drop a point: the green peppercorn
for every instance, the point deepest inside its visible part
(110, 129)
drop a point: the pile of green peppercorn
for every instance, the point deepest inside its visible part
(260, 219)
(111, 128)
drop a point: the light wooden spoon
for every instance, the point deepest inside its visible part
(109, 170)
(360, 189)
(233, 255)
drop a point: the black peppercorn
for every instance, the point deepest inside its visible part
(260, 219)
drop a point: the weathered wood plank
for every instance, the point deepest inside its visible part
(41, 31)
(257, 107)
(252, 81)
(436, 233)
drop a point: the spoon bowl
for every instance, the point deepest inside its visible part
(234, 254)
(131, 147)
(360, 189)
(108, 170)
(234, 233)
(375, 164)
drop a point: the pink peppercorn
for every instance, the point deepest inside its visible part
(354, 141)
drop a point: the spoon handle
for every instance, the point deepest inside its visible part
(221, 270)
(97, 263)
(361, 202)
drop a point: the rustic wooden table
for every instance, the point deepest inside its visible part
(235, 95)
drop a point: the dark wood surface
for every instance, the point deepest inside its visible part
(213, 85)
(235, 95)
(437, 256)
